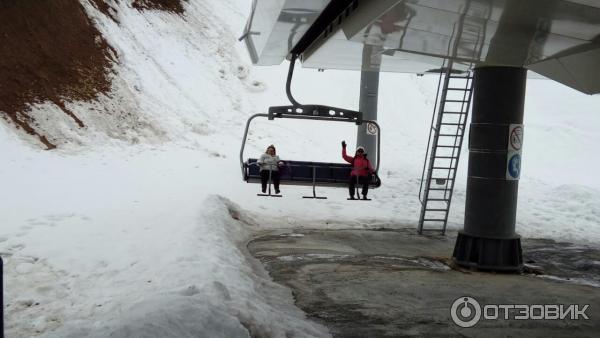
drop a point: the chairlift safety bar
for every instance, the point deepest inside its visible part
(315, 112)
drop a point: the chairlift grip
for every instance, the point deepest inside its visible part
(288, 83)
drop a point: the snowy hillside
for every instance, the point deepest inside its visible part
(137, 224)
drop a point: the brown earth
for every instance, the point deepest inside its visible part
(106, 8)
(49, 51)
(174, 6)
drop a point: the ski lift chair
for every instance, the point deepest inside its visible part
(307, 173)
(304, 172)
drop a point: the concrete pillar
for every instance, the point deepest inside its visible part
(489, 240)
(369, 93)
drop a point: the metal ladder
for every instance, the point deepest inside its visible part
(446, 137)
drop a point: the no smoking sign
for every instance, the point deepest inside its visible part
(515, 137)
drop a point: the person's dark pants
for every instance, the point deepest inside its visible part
(264, 179)
(364, 180)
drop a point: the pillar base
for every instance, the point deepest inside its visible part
(492, 254)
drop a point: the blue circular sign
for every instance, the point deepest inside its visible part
(514, 166)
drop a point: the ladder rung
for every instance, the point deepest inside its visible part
(440, 189)
(432, 229)
(456, 101)
(446, 157)
(434, 220)
(453, 113)
(442, 178)
(444, 146)
(438, 199)
(455, 135)
(436, 209)
(463, 89)
(446, 168)
(451, 124)
(460, 77)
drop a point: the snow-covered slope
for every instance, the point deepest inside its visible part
(142, 231)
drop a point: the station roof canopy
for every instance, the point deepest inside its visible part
(559, 39)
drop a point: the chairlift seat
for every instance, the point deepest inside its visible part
(301, 173)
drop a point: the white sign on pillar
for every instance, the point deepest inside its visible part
(371, 129)
(513, 155)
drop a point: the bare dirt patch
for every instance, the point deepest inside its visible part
(106, 8)
(50, 51)
(174, 6)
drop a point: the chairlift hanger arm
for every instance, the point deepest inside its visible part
(288, 83)
(297, 109)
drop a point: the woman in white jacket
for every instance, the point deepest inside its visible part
(269, 164)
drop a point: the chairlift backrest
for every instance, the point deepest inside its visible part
(307, 173)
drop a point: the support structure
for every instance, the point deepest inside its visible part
(369, 93)
(445, 140)
(489, 240)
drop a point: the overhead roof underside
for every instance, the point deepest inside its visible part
(559, 39)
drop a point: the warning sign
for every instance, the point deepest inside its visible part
(371, 129)
(515, 137)
(513, 155)
(513, 165)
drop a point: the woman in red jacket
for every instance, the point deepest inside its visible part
(361, 170)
